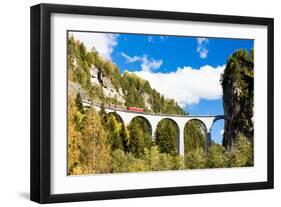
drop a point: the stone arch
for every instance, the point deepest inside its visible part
(170, 119)
(177, 131)
(146, 120)
(119, 118)
(218, 118)
(140, 131)
(204, 128)
(199, 120)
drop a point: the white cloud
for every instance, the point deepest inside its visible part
(203, 53)
(146, 63)
(221, 132)
(187, 85)
(102, 42)
(202, 47)
(201, 40)
(163, 38)
(150, 39)
(130, 59)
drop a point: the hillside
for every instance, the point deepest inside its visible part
(100, 80)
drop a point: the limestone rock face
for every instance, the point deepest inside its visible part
(94, 75)
(98, 78)
(238, 96)
(146, 101)
(74, 88)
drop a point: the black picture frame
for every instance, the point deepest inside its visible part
(41, 99)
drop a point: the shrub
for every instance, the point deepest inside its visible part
(195, 159)
(242, 153)
(217, 157)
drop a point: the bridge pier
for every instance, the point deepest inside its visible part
(153, 125)
(153, 131)
(208, 140)
(181, 141)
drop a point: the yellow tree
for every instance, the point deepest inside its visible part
(114, 129)
(74, 139)
(95, 152)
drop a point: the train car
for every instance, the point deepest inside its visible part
(135, 109)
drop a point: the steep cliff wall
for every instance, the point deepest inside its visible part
(238, 96)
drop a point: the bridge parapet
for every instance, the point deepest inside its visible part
(111, 107)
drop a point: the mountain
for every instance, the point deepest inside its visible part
(100, 80)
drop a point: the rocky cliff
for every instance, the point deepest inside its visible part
(238, 96)
(99, 79)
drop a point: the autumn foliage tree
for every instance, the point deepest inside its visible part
(115, 133)
(88, 148)
(96, 150)
(74, 139)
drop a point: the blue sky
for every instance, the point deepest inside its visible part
(186, 69)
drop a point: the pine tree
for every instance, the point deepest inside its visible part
(166, 136)
(194, 136)
(79, 103)
(114, 129)
(140, 137)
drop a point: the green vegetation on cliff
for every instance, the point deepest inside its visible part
(137, 92)
(238, 96)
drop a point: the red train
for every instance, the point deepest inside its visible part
(135, 109)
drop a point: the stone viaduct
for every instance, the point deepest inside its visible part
(153, 119)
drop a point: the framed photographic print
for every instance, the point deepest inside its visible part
(133, 103)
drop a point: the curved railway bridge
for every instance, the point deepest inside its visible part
(153, 119)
